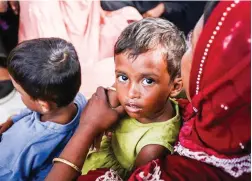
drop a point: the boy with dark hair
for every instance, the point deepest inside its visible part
(46, 72)
(147, 67)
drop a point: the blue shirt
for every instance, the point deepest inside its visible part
(29, 146)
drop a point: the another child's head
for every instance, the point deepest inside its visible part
(147, 66)
(46, 72)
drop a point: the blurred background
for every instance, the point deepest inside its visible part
(92, 26)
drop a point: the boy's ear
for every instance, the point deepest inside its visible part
(177, 87)
(44, 106)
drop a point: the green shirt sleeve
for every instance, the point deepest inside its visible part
(164, 135)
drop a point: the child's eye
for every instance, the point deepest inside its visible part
(122, 78)
(148, 81)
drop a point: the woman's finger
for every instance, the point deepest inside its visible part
(100, 91)
(119, 110)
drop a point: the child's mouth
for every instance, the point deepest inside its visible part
(133, 108)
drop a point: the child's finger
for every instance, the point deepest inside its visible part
(98, 140)
(92, 146)
(108, 134)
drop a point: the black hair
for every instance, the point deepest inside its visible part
(150, 34)
(47, 69)
(209, 7)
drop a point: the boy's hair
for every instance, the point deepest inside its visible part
(150, 34)
(47, 69)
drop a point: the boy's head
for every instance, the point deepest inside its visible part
(147, 63)
(46, 72)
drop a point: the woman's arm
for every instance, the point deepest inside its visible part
(92, 123)
(75, 152)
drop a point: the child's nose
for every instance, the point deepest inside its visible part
(134, 92)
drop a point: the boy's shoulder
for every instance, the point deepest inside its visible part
(80, 100)
(22, 114)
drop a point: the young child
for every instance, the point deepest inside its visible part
(147, 68)
(46, 72)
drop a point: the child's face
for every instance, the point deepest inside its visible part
(143, 85)
(186, 62)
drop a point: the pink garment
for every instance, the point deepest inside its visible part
(92, 31)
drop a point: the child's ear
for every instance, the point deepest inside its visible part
(177, 87)
(44, 106)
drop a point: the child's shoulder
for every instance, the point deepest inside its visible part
(22, 114)
(80, 100)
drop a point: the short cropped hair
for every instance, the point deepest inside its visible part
(150, 34)
(47, 69)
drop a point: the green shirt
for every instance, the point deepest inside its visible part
(129, 138)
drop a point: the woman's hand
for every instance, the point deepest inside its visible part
(112, 97)
(114, 104)
(98, 115)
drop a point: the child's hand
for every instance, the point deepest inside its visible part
(97, 142)
(5, 126)
(98, 139)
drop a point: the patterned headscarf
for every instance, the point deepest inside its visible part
(218, 120)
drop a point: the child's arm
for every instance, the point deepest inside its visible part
(6, 125)
(13, 119)
(149, 153)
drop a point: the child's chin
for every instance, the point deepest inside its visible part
(134, 115)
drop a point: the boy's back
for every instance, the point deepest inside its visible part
(46, 73)
(28, 147)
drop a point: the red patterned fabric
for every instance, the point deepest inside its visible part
(178, 168)
(223, 101)
(93, 175)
